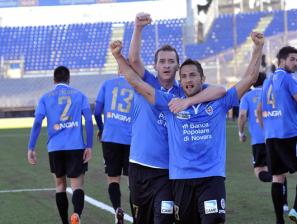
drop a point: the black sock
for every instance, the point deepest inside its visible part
(62, 204)
(277, 199)
(285, 192)
(114, 195)
(78, 200)
(265, 176)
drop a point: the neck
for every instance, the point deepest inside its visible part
(167, 84)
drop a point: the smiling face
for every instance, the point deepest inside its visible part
(191, 79)
(166, 65)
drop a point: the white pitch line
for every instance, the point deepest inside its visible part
(101, 205)
(27, 190)
(88, 199)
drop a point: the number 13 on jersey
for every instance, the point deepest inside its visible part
(127, 95)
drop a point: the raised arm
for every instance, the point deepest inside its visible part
(142, 19)
(132, 77)
(212, 92)
(252, 71)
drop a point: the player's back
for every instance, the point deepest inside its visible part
(279, 109)
(63, 107)
(117, 97)
(249, 102)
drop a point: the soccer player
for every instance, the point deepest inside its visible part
(150, 188)
(64, 107)
(278, 110)
(197, 137)
(115, 99)
(248, 111)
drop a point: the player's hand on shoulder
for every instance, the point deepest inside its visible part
(32, 157)
(257, 38)
(87, 155)
(142, 19)
(177, 105)
(116, 48)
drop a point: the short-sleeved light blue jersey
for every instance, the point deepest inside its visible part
(249, 103)
(197, 136)
(149, 145)
(115, 98)
(63, 108)
(279, 108)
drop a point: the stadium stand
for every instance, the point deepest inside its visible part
(12, 96)
(85, 46)
(45, 47)
(220, 37)
(79, 46)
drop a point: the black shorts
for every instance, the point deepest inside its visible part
(199, 200)
(151, 196)
(67, 162)
(259, 155)
(116, 158)
(282, 155)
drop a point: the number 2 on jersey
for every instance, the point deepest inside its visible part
(128, 96)
(270, 97)
(61, 99)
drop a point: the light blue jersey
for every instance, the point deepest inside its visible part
(249, 103)
(149, 146)
(279, 109)
(63, 107)
(115, 100)
(197, 136)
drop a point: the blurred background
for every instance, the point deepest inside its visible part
(38, 35)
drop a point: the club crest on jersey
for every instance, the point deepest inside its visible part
(209, 110)
(184, 115)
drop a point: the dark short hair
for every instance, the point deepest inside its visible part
(284, 52)
(260, 80)
(166, 47)
(61, 74)
(190, 61)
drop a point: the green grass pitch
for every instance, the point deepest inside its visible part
(248, 200)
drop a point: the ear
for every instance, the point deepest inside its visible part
(203, 79)
(155, 67)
